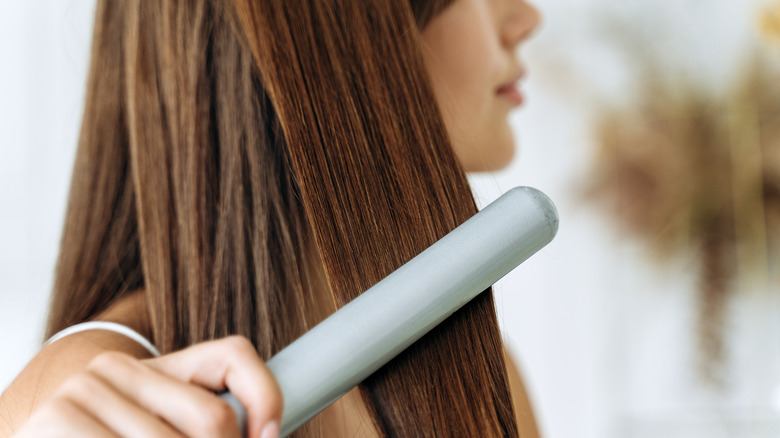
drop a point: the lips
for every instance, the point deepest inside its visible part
(511, 90)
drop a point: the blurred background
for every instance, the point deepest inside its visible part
(654, 127)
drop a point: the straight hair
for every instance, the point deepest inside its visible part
(252, 166)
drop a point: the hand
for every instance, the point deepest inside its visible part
(169, 396)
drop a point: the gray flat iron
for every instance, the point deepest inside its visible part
(358, 339)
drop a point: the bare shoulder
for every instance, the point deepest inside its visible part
(526, 421)
(59, 360)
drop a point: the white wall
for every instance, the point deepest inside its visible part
(43, 58)
(604, 337)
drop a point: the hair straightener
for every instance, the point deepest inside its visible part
(358, 339)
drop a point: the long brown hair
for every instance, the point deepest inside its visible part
(231, 156)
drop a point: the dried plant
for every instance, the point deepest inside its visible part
(688, 170)
(770, 22)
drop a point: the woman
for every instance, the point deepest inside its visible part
(247, 167)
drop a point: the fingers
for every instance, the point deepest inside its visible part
(109, 405)
(170, 396)
(230, 363)
(173, 389)
(188, 409)
(63, 418)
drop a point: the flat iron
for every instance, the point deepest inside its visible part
(358, 339)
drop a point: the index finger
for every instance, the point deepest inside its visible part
(230, 363)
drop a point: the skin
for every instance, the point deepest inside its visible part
(470, 54)
(102, 384)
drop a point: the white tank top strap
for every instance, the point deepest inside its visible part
(109, 326)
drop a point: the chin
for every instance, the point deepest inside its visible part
(490, 161)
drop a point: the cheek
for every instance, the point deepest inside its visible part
(465, 68)
(477, 121)
(466, 63)
(465, 82)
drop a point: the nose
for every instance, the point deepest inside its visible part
(519, 21)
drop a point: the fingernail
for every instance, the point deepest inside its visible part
(271, 430)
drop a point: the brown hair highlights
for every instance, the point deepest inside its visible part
(249, 151)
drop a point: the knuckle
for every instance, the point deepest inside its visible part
(81, 383)
(55, 410)
(110, 360)
(239, 346)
